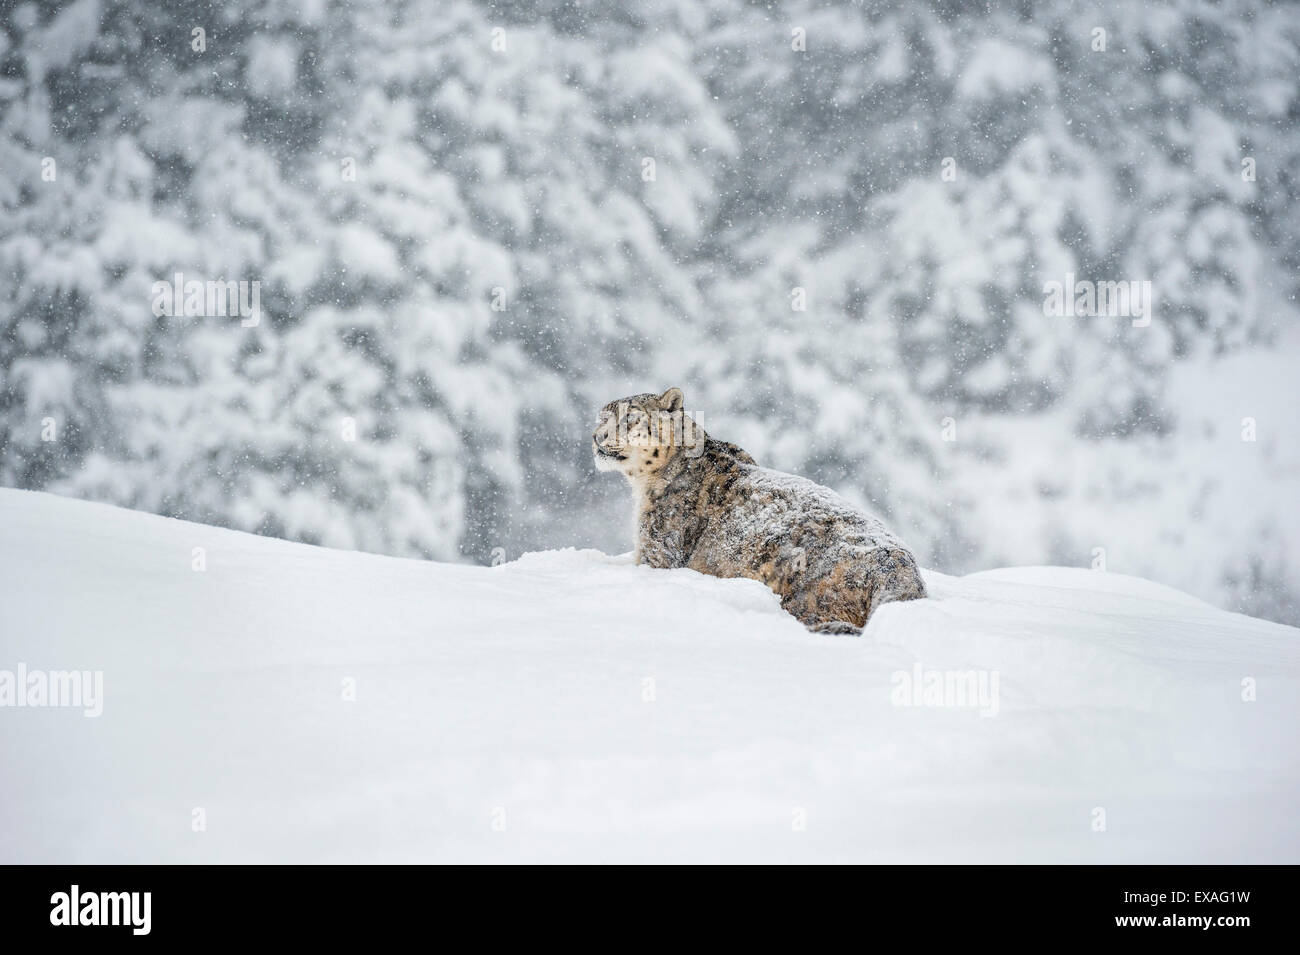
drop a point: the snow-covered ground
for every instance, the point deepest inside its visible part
(571, 706)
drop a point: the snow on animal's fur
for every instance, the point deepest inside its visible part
(707, 505)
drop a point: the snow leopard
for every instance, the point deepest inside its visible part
(707, 505)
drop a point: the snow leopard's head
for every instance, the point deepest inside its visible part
(637, 436)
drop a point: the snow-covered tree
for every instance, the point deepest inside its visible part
(472, 222)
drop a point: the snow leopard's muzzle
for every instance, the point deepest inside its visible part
(604, 446)
(605, 454)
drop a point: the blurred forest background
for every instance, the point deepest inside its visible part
(474, 223)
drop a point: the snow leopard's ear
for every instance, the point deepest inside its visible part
(671, 400)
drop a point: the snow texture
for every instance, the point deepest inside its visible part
(571, 706)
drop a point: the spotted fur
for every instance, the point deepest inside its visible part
(707, 505)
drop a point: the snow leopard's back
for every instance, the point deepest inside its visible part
(831, 564)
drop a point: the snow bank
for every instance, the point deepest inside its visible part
(571, 706)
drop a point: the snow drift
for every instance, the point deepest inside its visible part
(270, 701)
